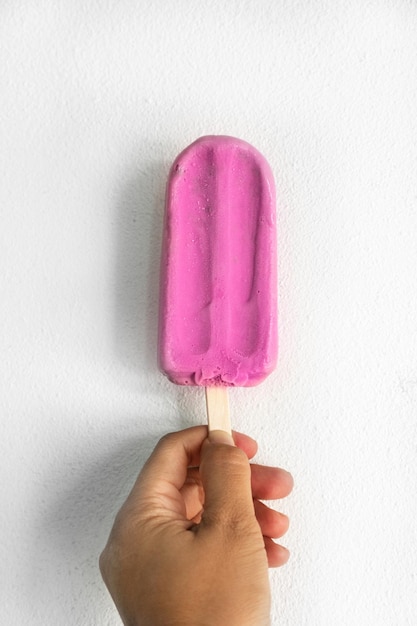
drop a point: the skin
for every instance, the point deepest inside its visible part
(192, 543)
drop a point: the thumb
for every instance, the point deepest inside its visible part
(226, 477)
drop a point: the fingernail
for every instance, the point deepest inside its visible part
(220, 436)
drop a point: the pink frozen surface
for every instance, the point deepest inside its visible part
(218, 300)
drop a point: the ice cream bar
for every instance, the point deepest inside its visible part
(218, 304)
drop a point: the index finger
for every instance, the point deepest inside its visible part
(177, 451)
(173, 454)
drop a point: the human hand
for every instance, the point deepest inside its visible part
(192, 543)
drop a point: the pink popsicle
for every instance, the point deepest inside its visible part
(218, 299)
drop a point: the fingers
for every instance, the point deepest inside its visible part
(177, 451)
(229, 483)
(192, 493)
(172, 456)
(272, 523)
(277, 555)
(165, 472)
(270, 483)
(245, 443)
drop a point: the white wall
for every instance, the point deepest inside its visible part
(96, 100)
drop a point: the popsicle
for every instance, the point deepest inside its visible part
(218, 290)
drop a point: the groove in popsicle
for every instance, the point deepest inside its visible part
(245, 210)
(194, 198)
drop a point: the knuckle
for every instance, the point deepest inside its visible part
(103, 564)
(231, 523)
(231, 457)
(167, 440)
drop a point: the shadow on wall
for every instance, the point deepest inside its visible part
(94, 479)
(139, 219)
(73, 530)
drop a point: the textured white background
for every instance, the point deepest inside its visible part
(96, 99)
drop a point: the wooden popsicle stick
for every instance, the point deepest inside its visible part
(218, 414)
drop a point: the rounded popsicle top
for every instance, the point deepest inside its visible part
(218, 304)
(224, 143)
